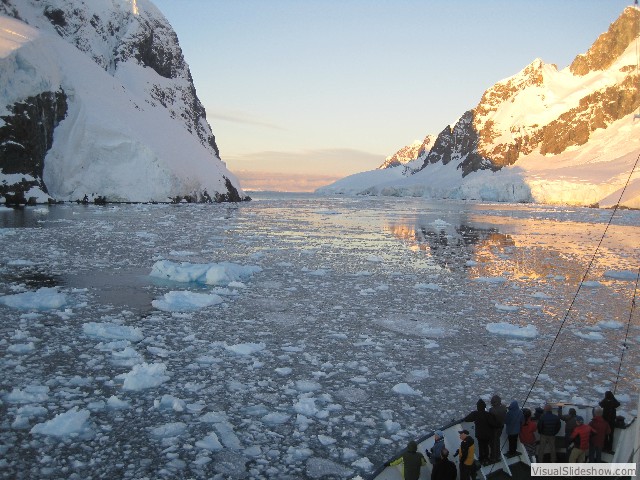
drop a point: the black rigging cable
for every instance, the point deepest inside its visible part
(566, 315)
(626, 336)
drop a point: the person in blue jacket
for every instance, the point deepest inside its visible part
(513, 422)
(438, 445)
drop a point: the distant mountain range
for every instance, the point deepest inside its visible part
(543, 135)
(97, 103)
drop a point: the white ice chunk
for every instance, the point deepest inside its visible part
(210, 442)
(491, 279)
(506, 308)
(42, 299)
(116, 404)
(275, 418)
(30, 394)
(621, 274)
(610, 324)
(306, 386)
(73, 421)
(322, 467)
(112, 331)
(590, 335)
(326, 440)
(245, 348)
(145, 375)
(186, 301)
(22, 348)
(306, 406)
(503, 328)
(405, 389)
(174, 429)
(364, 463)
(169, 402)
(209, 273)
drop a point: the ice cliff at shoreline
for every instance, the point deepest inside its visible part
(543, 135)
(96, 99)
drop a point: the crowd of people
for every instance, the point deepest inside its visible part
(536, 431)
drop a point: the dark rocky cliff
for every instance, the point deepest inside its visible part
(115, 38)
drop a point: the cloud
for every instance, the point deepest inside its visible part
(242, 118)
(283, 182)
(330, 163)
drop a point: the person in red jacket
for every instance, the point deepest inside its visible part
(580, 436)
(602, 428)
(528, 433)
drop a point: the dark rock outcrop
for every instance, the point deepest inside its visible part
(610, 45)
(27, 136)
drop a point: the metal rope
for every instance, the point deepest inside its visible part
(624, 345)
(566, 315)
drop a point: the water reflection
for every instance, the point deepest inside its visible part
(484, 251)
(450, 245)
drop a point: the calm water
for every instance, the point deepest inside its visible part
(368, 325)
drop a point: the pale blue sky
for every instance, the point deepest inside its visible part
(321, 89)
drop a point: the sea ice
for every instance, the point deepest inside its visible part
(185, 301)
(112, 331)
(503, 328)
(405, 389)
(621, 274)
(144, 376)
(74, 421)
(42, 299)
(210, 442)
(208, 273)
(245, 348)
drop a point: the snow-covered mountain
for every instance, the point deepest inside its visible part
(412, 156)
(96, 99)
(544, 135)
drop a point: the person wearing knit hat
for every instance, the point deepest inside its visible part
(485, 423)
(410, 462)
(438, 445)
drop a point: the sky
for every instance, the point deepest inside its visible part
(300, 93)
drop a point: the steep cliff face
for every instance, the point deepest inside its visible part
(610, 45)
(132, 43)
(523, 113)
(27, 136)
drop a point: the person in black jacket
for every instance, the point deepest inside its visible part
(467, 454)
(485, 424)
(411, 461)
(548, 426)
(444, 469)
(609, 405)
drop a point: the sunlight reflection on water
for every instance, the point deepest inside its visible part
(355, 296)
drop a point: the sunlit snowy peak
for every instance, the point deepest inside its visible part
(543, 135)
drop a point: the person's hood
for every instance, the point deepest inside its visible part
(513, 406)
(481, 405)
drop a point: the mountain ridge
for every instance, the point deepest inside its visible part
(539, 113)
